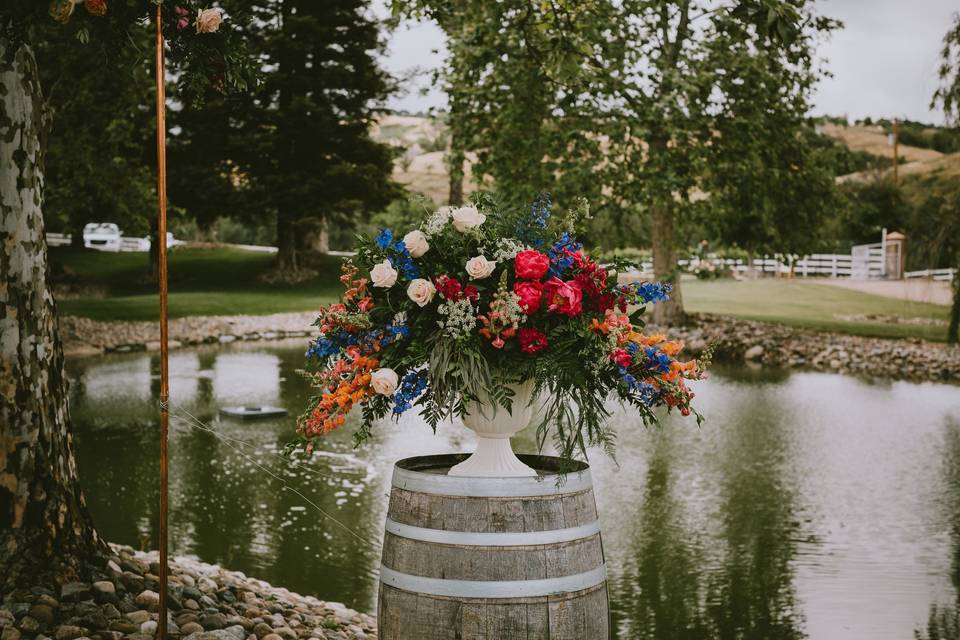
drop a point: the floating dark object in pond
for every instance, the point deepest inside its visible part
(253, 412)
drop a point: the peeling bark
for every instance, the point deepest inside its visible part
(46, 532)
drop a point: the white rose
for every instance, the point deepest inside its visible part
(416, 243)
(384, 381)
(383, 275)
(208, 20)
(421, 291)
(479, 267)
(467, 218)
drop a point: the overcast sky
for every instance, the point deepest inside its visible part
(884, 61)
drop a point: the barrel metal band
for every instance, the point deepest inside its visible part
(488, 539)
(465, 486)
(493, 589)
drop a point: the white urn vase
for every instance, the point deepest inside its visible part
(494, 426)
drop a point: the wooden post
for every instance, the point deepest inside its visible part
(162, 263)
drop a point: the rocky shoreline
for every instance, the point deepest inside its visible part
(206, 602)
(740, 340)
(734, 340)
(83, 336)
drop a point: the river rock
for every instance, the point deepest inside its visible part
(753, 353)
(190, 628)
(69, 632)
(10, 633)
(149, 627)
(43, 613)
(104, 591)
(148, 599)
(29, 625)
(109, 611)
(138, 617)
(213, 621)
(74, 591)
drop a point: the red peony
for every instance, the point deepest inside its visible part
(471, 293)
(563, 297)
(449, 288)
(531, 264)
(530, 294)
(96, 7)
(532, 340)
(621, 357)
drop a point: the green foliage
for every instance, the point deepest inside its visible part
(304, 151)
(615, 101)
(99, 149)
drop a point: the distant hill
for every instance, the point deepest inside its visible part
(421, 167)
(873, 139)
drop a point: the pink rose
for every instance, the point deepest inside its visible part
(531, 264)
(563, 297)
(530, 294)
(208, 20)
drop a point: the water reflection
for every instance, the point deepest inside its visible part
(809, 505)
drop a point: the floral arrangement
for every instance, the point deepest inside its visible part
(475, 299)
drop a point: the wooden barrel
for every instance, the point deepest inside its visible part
(491, 558)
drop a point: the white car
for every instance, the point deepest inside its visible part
(102, 236)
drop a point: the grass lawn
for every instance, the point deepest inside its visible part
(815, 306)
(201, 281)
(224, 282)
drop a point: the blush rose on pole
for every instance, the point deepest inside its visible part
(482, 313)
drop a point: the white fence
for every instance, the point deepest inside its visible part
(124, 243)
(946, 275)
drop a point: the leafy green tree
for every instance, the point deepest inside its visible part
(948, 97)
(306, 151)
(46, 531)
(613, 101)
(101, 143)
(769, 190)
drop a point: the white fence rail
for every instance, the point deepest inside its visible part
(124, 243)
(830, 265)
(946, 275)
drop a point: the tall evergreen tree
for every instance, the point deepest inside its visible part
(307, 150)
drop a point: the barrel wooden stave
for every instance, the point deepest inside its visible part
(457, 562)
(503, 547)
(464, 513)
(571, 617)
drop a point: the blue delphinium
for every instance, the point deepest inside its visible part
(561, 254)
(325, 347)
(657, 360)
(411, 386)
(403, 261)
(649, 395)
(530, 227)
(646, 292)
(384, 238)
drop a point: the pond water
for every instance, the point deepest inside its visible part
(809, 505)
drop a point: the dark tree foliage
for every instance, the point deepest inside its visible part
(305, 150)
(100, 148)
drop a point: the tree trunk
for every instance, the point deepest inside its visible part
(665, 269)
(455, 158)
(318, 239)
(46, 532)
(954, 329)
(286, 243)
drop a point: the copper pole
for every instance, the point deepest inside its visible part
(162, 264)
